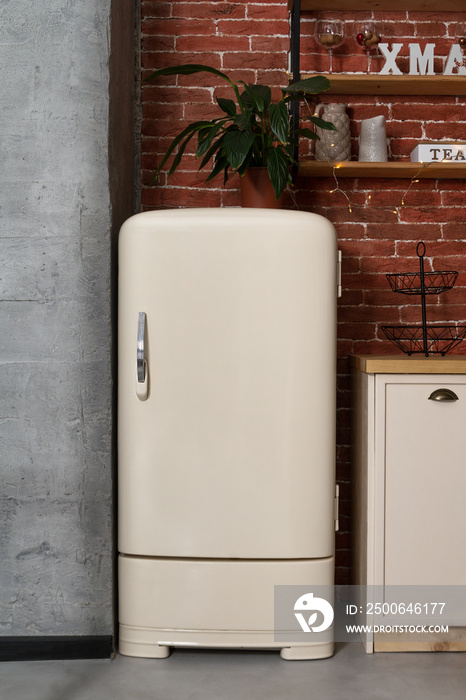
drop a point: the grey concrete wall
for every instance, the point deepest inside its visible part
(55, 319)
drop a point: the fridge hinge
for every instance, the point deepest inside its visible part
(339, 273)
(337, 507)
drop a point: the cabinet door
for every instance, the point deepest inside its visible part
(425, 482)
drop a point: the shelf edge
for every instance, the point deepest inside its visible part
(404, 5)
(390, 169)
(374, 84)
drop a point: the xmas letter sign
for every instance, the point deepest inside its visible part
(421, 62)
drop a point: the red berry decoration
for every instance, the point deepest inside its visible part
(360, 39)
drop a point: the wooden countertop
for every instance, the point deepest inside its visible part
(409, 364)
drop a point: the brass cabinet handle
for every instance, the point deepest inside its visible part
(443, 395)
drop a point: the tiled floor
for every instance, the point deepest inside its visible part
(219, 675)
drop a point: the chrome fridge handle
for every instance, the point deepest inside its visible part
(141, 363)
(140, 347)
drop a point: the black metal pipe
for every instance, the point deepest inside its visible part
(295, 47)
(423, 295)
(295, 40)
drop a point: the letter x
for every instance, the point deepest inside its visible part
(390, 56)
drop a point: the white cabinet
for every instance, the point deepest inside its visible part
(409, 474)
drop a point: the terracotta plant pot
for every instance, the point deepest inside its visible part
(257, 190)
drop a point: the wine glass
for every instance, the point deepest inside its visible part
(330, 33)
(460, 34)
(367, 34)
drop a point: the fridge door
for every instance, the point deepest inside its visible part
(227, 436)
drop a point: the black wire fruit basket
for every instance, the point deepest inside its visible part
(411, 283)
(425, 338)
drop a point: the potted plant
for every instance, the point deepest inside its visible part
(252, 131)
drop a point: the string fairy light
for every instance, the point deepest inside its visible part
(336, 165)
(414, 179)
(337, 187)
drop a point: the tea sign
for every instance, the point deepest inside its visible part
(439, 151)
(421, 62)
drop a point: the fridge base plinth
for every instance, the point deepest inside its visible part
(157, 643)
(133, 644)
(305, 653)
(213, 603)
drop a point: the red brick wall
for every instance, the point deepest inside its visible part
(249, 41)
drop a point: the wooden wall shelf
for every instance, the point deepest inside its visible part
(370, 84)
(391, 169)
(374, 84)
(392, 5)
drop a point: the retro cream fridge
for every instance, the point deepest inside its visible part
(226, 424)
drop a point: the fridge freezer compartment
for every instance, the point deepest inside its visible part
(211, 603)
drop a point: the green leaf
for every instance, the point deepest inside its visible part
(277, 167)
(280, 121)
(177, 158)
(292, 97)
(263, 92)
(311, 86)
(329, 126)
(243, 121)
(220, 164)
(307, 133)
(227, 106)
(248, 161)
(211, 152)
(253, 97)
(190, 129)
(188, 69)
(237, 145)
(205, 139)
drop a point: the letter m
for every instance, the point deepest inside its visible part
(421, 63)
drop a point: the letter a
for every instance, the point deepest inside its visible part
(455, 62)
